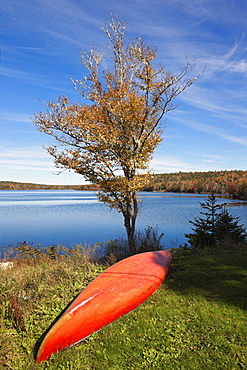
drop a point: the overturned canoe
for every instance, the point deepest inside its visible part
(114, 293)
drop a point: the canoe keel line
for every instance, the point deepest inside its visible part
(114, 293)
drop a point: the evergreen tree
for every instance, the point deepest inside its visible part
(204, 228)
(229, 229)
(217, 226)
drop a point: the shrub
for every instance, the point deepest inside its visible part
(146, 240)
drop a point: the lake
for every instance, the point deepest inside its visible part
(51, 217)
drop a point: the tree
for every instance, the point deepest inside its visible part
(111, 140)
(228, 229)
(204, 227)
(217, 226)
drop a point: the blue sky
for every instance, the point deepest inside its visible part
(40, 50)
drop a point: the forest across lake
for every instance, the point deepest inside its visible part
(231, 183)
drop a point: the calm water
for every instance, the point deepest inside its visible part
(71, 217)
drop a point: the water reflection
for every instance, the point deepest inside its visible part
(71, 217)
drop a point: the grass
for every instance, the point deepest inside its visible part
(195, 320)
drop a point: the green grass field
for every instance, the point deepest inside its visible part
(195, 320)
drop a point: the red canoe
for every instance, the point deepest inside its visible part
(114, 293)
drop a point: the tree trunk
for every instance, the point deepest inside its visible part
(130, 222)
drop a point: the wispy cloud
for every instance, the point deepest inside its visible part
(41, 46)
(215, 105)
(240, 67)
(20, 165)
(210, 157)
(221, 133)
(219, 100)
(14, 116)
(22, 153)
(169, 164)
(32, 164)
(230, 61)
(37, 79)
(33, 159)
(71, 18)
(233, 138)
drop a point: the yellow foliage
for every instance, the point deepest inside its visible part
(111, 140)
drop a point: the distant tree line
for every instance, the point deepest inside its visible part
(12, 185)
(231, 183)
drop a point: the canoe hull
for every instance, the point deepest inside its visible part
(114, 293)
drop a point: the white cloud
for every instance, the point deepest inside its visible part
(41, 36)
(240, 66)
(212, 161)
(27, 165)
(215, 131)
(37, 79)
(225, 103)
(14, 116)
(33, 159)
(32, 164)
(168, 164)
(21, 153)
(235, 139)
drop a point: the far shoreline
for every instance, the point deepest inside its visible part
(229, 183)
